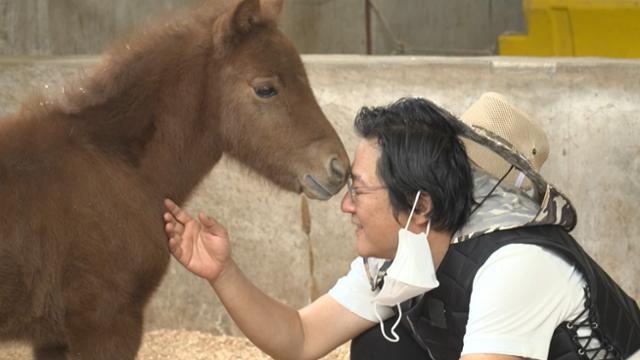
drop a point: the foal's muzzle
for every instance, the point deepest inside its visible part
(324, 186)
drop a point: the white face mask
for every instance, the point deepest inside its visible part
(412, 272)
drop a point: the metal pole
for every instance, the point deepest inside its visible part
(367, 24)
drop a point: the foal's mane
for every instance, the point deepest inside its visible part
(132, 68)
(152, 77)
(115, 103)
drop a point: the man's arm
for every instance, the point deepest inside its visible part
(277, 329)
(281, 331)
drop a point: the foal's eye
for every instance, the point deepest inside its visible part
(265, 91)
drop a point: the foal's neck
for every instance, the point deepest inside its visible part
(152, 105)
(185, 144)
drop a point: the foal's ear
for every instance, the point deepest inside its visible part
(245, 16)
(249, 13)
(270, 10)
(242, 18)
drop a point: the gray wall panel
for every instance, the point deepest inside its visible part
(316, 26)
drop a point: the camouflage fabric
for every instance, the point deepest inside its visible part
(508, 208)
(504, 208)
(555, 207)
(376, 270)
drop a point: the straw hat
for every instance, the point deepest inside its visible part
(494, 115)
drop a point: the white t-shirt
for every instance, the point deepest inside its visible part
(520, 295)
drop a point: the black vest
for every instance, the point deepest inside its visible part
(438, 320)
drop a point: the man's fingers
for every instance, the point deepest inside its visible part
(168, 218)
(174, 246)
(173, 229)
(212, 225)
(175, 210)
(174, 243)
(172, 225)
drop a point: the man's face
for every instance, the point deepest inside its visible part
(371, 212)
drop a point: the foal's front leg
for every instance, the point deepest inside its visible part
(118, 338)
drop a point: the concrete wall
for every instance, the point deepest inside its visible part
(62, 27)
(445, 27)
(588, 107)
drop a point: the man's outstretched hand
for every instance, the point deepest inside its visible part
(201, 245)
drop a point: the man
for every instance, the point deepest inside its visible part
(510, 281)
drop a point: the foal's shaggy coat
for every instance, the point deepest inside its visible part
(83, 176)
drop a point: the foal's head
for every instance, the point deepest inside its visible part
(270, 119)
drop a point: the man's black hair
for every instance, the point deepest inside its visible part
(420, 150)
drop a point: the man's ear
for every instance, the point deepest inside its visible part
(423, 210)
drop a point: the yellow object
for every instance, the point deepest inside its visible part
(577, 28)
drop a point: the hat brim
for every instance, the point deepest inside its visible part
(543, 192)
(506, 151)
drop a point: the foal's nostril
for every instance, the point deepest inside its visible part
(337, 169)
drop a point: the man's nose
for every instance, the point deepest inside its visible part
(347, 205)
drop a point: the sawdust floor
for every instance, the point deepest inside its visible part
(183, 345)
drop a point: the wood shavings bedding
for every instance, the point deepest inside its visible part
(183, 345)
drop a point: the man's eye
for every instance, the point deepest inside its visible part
(266, 91)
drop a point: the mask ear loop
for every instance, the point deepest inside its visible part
(396, 338)
(415, 202)
(393, 328)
